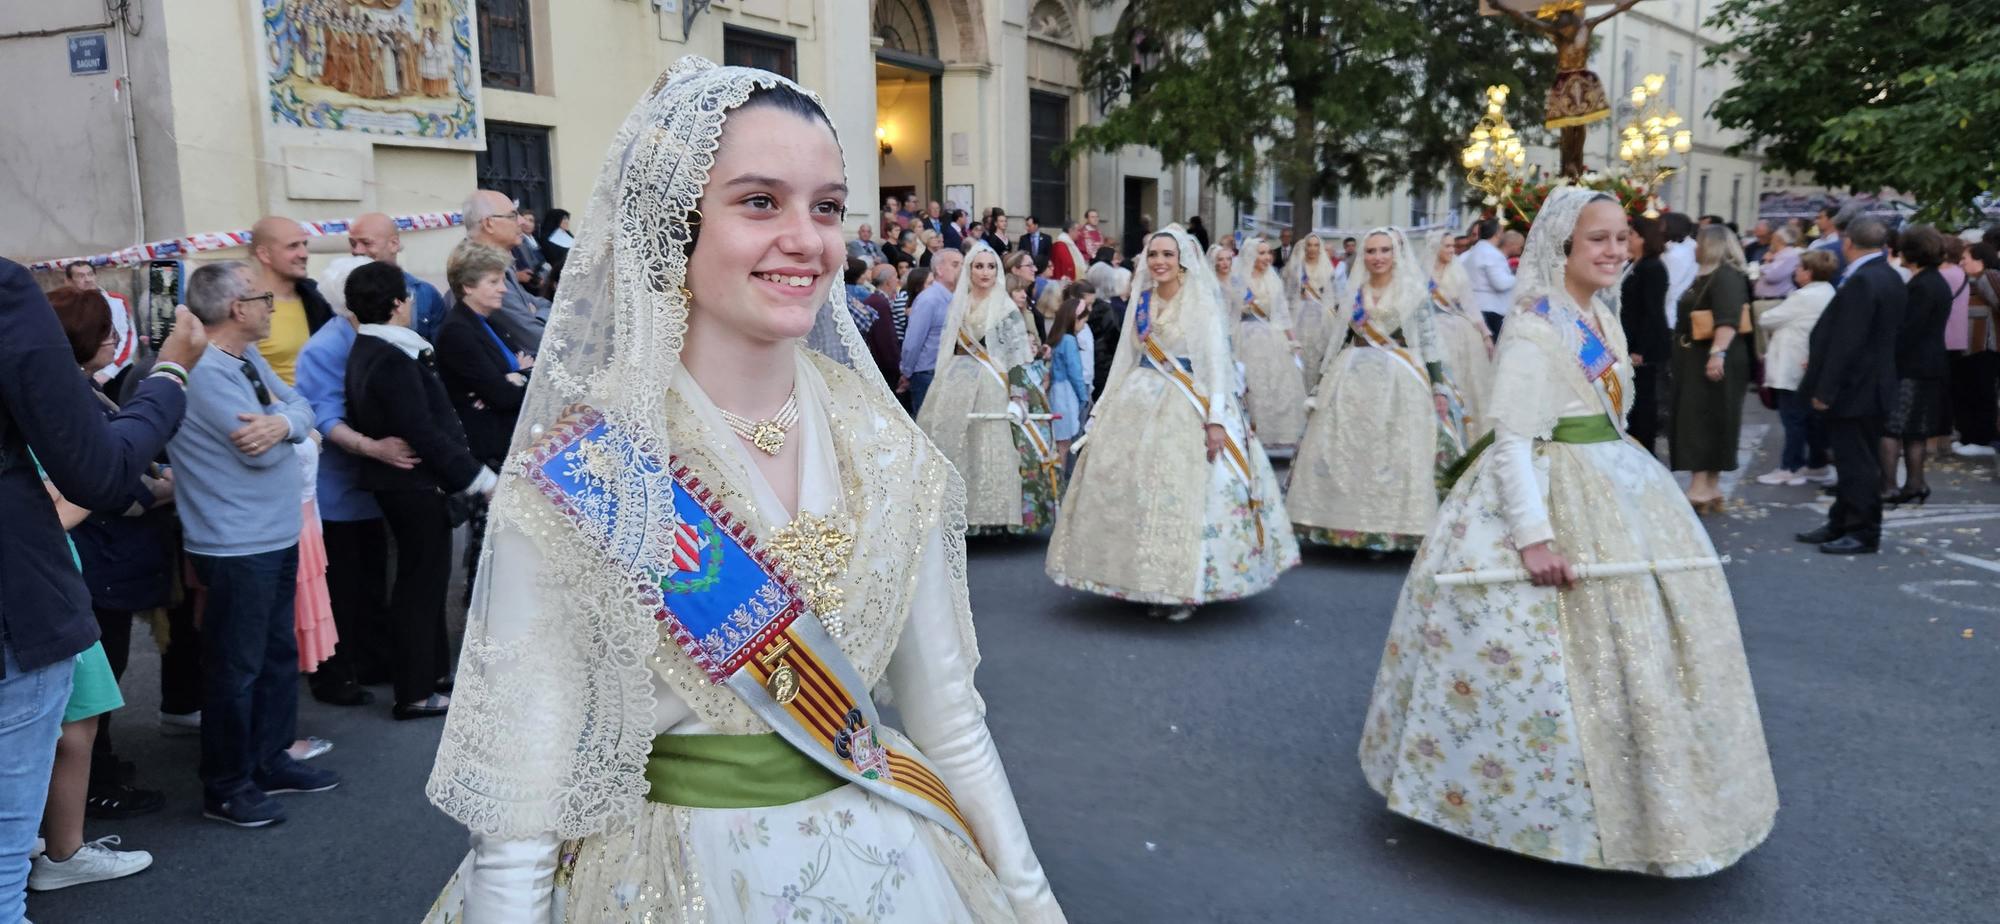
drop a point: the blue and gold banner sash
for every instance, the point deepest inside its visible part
(1142, 316)
(1366, 330)
(1250, 305)
(1595, 358)
(732, 605)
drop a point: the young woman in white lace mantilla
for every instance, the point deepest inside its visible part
(1378, 431)
(1312, 282)
(1265, 346)
(1464, 343)
(573, 697)
(986, 409)
(1603, 722)
(1159, 509)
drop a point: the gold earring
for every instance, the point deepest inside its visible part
(687, 297)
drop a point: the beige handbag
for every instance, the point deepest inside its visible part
(1701, 321)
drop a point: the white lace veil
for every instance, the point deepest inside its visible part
(1199, 317)
(553, 714)
(1322, 271)
(1543, 257)
(1452, 283)
(1408, 285)
(1006, 343)
(1526, 395)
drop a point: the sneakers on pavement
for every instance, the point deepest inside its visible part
(308, 748)
(93, 862)
(250, 808)
(1781, 476)
(1821, 475)
(297, 777)
(1971, 450)
(176, 725)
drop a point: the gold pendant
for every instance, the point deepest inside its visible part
(783, 684)
(815, 550)
(769, 438)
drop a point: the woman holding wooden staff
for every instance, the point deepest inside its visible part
(1604, 721)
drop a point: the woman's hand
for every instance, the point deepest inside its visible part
(1546, 568)
(525, 360)
(1216, 438)
(1714, 370)
(1638, 360)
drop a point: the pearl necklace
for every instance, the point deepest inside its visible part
(768, 435)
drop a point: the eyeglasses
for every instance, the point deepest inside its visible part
(269, 299)
(257, 382)
(513, 214)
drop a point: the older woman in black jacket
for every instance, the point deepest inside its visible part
(393, 389)
(1921, 367)
(484, 378)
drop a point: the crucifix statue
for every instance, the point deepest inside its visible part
(1577, 97)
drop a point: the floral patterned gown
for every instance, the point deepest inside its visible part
(1147, 516)
(1612, 725)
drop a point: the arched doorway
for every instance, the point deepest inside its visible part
(908, 100)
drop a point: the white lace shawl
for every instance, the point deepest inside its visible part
(993, 321)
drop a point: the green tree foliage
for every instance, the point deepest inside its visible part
(1324, 94)
(1867, 94)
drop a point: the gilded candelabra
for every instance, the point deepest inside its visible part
(1653, 134)
(1493, 154)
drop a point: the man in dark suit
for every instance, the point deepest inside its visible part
(954, 230)
(1851, 377)
(1036, 244)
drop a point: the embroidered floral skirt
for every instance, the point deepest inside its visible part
(1612, 725)
(1365, 475)
(1007, 488)
(1148, 518)
(843, 856)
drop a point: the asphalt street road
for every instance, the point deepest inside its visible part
(1206, 772)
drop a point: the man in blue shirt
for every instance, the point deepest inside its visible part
(356, 538)
(927, 317)
(376, 237)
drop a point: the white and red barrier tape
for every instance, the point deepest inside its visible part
(225, 240)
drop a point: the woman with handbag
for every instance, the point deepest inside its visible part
(393, 389)
(1710, 370)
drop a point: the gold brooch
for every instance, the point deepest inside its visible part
(815, 550)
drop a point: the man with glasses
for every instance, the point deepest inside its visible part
(278, 250)
(238, 485)
(491, 219)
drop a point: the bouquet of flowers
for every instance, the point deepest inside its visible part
(1519, 206)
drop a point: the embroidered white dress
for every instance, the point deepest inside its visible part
(1365, 474)
(1276, 397)
(846, 855)
(965, 414)
(1462, 342)
(1311, 286)
(1612, 725)
(1147, 517)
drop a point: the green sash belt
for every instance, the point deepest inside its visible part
(733, 771)
(1594, 428)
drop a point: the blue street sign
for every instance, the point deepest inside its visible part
(86, 54)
